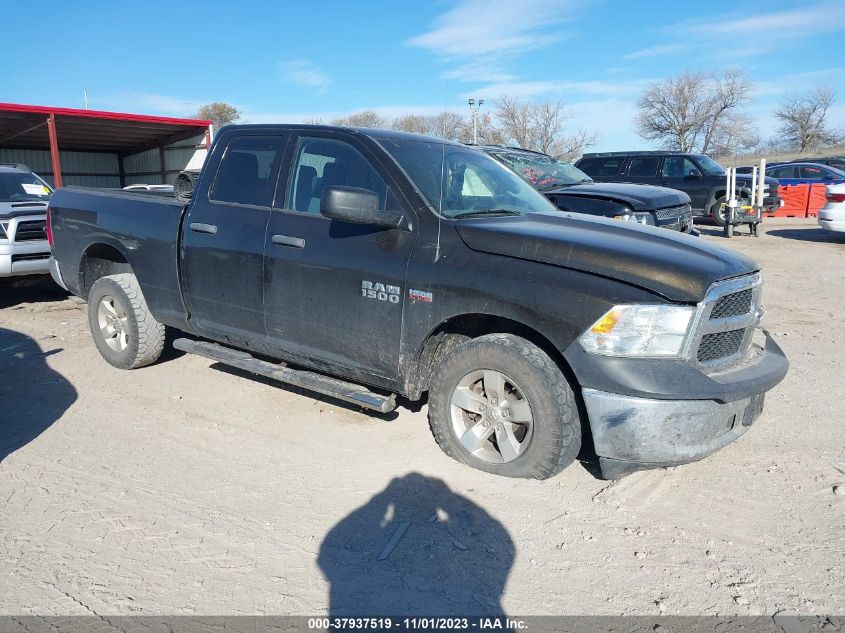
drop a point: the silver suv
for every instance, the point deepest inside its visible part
(23, 213)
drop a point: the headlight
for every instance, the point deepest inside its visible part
(639, 330)
(640, 218)
(3, 234)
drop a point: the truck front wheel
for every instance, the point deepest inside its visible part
(718, 211)
(123, 329)
(498, 403)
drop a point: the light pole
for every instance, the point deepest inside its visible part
(473, 108)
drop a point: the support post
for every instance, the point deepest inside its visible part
(121, 168)
(163, 165)
(54, 151)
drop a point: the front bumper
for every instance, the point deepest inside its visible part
(28, 258)
(642, 416)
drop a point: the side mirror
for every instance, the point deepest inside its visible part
(694, 173)
(357, 206)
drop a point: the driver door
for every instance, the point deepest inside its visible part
(335, 291)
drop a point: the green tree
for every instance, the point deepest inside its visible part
(219, 113)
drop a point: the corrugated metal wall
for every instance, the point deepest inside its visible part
(90, 169)
(101, 169)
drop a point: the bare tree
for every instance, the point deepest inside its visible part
(367, 118)
(804, 120)
(219, 113)
(540, 127)
(414, 123)
(314, 120)
(696, 111)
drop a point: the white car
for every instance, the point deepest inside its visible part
(832, 214)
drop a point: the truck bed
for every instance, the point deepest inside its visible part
(143, 228)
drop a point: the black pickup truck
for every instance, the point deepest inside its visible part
(413, 265)
(697, 175)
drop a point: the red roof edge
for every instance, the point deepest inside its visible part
(101, 114)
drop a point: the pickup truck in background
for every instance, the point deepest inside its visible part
(570, 189)
(697, 175)
(380, 263)
(23, 211)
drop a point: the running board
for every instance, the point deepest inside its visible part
(340, 389)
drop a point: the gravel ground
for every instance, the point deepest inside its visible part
(187, 488)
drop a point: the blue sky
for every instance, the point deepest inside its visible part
(285, 61)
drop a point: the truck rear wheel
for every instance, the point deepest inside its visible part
(124, 331)
(498, 403)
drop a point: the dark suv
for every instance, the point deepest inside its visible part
(695, 174)
(570, 189)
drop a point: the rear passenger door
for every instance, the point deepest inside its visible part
(223, 243)
(643, 170)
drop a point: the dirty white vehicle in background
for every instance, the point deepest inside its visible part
(832, 214)
(24, 249)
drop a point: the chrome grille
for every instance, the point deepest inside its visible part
(732, 305)
(719, 345)
(725, 322)
(673, 212)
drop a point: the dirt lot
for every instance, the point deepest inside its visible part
(184, 488)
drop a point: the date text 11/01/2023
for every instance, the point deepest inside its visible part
(417, 623)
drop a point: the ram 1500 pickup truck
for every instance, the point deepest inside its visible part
(363, 264)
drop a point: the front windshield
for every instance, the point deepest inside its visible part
(19, 186)
(710, 166)
(544, 172)
(471, 183)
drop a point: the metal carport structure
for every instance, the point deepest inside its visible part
(62, 131)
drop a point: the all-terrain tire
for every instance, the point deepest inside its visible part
(144, 336)
(717, 211)
(556, 434)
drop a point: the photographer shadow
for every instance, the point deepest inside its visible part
(417, 548)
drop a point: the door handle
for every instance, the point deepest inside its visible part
(199, 227)
(287, 240)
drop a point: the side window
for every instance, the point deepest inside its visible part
(678, 167)
(810, 173)
(245, 175)
(782, 172)
(643, 166)
(597, 167)
(325, 162)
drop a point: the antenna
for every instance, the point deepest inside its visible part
(442, 170)
(85, 97)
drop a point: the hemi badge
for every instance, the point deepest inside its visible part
(420, 295)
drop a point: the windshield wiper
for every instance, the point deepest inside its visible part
(479, 212)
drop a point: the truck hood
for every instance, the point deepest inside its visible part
(676, 266)
(15, 209)
(638, 197)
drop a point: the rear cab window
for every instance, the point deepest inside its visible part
(246, 174)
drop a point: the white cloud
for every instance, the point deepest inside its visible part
(481, 35)
(654, 51)
(753, 34)
(306, 73)
(149, 103)
(560, 87)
